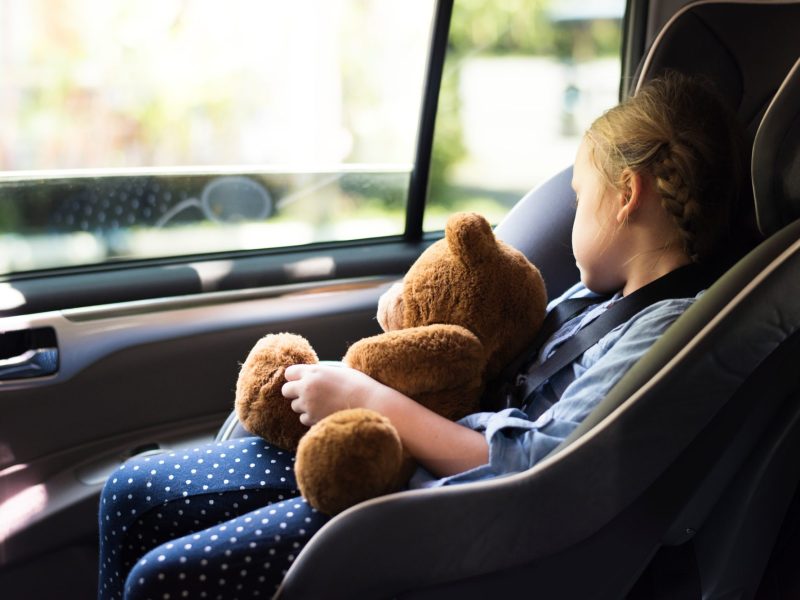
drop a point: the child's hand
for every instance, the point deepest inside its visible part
(440, 445)
(319, 390)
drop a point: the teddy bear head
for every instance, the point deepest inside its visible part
(471, 279)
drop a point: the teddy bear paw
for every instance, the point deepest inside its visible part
(260, 405)
(348, 457)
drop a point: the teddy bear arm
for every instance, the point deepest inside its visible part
(423, 361)
(260, 405)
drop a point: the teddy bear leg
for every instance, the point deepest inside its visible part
(260, 406)
(348, 457)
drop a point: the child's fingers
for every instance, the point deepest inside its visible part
(298, 406)
(294, 372)
(291, 390)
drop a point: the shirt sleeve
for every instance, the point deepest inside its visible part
(516, 442)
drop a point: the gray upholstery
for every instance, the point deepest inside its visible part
(540, 226)
(776, 159)
(231, 429)
(745, 48)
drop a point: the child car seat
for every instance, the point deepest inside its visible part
(696, 441)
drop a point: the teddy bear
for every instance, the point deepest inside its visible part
(466, 308)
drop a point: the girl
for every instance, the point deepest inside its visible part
(656, 181)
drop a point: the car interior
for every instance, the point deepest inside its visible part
(682, 483)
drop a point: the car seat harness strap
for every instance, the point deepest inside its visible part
(527, 376)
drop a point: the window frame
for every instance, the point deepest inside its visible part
(47, 289)
(418, 186)
(148, 278)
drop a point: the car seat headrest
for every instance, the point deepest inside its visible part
(776, 158)
(744, 47)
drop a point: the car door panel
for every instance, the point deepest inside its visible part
(108, 284)
(148, 375)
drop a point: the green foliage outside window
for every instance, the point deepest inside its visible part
(505, 28)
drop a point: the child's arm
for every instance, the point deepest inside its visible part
(440, 445)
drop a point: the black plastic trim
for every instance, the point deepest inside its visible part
(91, 287)
(634, 33)
(418, 186)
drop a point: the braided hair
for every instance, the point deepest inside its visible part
(680, 132)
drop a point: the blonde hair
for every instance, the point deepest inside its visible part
(679, 131)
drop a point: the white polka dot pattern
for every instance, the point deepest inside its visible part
(223, 520)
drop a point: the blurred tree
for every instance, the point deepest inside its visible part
(9, 215)
(479, 27)
(448, 143)
(562, 29)
(501, 27)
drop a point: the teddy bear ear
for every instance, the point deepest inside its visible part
(469, 236)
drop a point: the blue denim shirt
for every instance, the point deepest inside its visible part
(518, 440)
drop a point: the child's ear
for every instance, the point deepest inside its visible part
(630, 196)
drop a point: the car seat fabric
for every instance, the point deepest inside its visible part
(776, 159)
(540, 226)
(745, 48)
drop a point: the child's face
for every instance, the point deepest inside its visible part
(599, 253)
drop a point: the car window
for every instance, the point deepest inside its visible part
(522, 81)
(132, 130)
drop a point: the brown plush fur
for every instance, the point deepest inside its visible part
(466, 308)
(440, 366)
(260, 405)
(356, 450)
(474, 280)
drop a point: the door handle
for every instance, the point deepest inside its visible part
(28, 353)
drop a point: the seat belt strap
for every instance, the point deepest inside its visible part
(683, 282)
(496, 396)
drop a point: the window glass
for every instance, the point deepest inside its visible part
(523, 79)
(170, 127)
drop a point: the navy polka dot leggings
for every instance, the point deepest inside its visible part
(224, 520)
